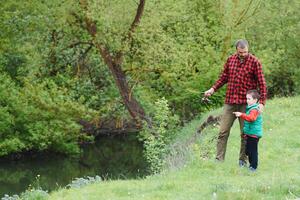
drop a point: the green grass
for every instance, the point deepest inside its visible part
(278, 175)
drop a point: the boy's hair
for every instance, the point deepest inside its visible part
(254, 94)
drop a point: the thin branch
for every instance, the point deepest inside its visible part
(92, 30)
(143, 70)
(89, 23)
(137, 18)
(134, 24)
(255, 11)
(74, 44)
(81, 59)
(81, 56)
(243, 14)
(78, 20)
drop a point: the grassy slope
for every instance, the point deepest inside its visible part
(278, 176)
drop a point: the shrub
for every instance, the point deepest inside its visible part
(159, 134)
(38, 116)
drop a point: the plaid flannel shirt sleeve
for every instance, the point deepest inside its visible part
(223, 78)
(261, 82)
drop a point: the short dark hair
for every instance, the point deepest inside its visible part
(254, 94)
(241, 43)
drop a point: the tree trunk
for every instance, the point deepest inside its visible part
(114, 63)
(132, 105)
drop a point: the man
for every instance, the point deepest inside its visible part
(242, 72)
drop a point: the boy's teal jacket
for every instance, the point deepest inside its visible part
(255, 127)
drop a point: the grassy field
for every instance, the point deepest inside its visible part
(278, 175)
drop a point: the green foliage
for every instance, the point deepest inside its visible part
(275, 39)
(34, 117)
(157, 137)
(35, 194)
(171, 43)
(176, 52)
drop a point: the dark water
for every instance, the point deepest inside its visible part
(111, 157)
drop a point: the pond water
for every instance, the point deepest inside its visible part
(110, 157)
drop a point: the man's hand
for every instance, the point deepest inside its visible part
(209, 92)
(261, 108)
(237, 114)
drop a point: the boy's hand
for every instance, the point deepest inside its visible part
(261, 108)
(237, 114)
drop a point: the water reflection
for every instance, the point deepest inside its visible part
(111, 157)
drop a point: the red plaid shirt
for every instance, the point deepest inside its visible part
(241, 77)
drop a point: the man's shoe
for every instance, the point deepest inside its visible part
(252, 169)
(242, 163)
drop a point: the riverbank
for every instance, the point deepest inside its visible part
(202, 178)
(109, 157)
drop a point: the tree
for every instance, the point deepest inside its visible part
(114, 62)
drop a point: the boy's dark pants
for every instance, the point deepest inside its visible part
(251, 151)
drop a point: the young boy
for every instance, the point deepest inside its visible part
(252, 127)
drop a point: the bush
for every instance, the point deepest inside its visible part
(39, 116)
(159, 134)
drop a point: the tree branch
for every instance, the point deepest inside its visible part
(89, 23)
(253, 13)
(134, 24)
(74, 44)
(243, 14)
(137, 18)
(139, 70)
(115, 65)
